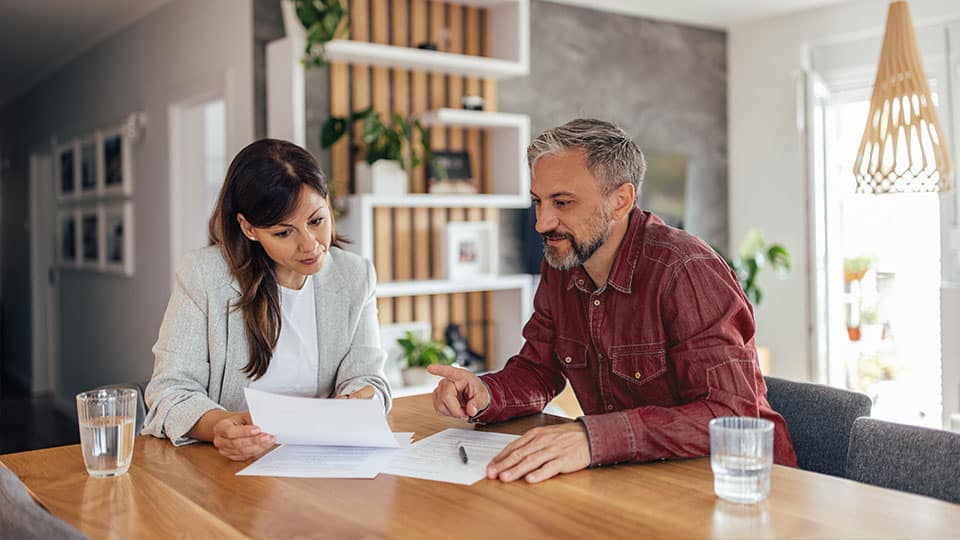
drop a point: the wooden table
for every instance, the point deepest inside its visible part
(192, 491)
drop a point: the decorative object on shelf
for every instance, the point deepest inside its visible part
(322, 20)
(66, 170)
(665, 187)
(393, 141)
(420, 353)
(903, 148)
(472, 102)
(470, 250)
(854, 270)
(450, 172)
(427, 46)
(117, 242)
(463, 354)
(67, 238)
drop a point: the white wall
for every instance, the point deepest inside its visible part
(768, 186)
(185, 48)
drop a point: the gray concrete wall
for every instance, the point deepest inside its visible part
(108, 323)
(664, 83)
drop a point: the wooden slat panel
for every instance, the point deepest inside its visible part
(421, 216)
(454, 82)
(340, 152)
(382, 249)
(400, 99)
(385, 310)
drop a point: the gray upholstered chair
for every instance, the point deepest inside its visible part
(21, 517)
(819, 419)
(907, 458)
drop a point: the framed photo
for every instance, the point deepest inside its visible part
(117, 241)
(68, 239)
(450, 172)
(88, 167)
(470, 250)
(66, 166)
(89, 221)
(115, 153)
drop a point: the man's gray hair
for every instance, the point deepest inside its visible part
(612, 156)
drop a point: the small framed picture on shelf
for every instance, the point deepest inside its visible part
(66, 165)
(450, 172)
(470, 250)
(67, 238)
(117, 241)
(89, 220)
(117, 167)
(89, 171)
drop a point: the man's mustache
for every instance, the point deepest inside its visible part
(554, 235)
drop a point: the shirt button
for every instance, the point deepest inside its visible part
(596, 302)
(568, 360)
(609, 407)
(579, 282)
(637, 375)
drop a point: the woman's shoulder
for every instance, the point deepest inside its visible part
(351, 269)
(207, 264)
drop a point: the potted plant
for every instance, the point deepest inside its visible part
(421, 353)
(754, 255)
(321, 21)
(390, 152)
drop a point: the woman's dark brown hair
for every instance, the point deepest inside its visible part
(263, 183)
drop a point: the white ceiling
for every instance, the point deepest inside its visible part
(720, 14)
(39, 36)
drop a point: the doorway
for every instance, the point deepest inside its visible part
(198, 157)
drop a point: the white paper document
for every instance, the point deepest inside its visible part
(437, 457)
(326, 422)
(298, 461)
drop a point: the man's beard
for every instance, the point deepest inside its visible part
(598, 232)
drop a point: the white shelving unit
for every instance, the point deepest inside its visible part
(508, 37)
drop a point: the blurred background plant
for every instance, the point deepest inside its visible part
(754, 255)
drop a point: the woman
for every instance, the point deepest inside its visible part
(273, 304)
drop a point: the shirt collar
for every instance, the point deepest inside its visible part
(624, 263)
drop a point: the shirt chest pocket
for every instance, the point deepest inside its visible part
(640, 363)
(571, 353)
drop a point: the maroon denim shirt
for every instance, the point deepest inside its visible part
(664, 347)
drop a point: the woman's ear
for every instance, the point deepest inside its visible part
(246, 227)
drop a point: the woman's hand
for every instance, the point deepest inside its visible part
(236, 438)
(367, 392)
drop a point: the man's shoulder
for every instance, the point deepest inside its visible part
(670, 246)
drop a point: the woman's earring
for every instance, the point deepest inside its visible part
(252, 238)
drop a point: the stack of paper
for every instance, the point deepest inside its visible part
(437, 457)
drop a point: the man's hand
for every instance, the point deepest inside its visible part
(459, 394)
(542, 453)
(236, 437)
(367, 392)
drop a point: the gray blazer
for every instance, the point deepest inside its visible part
(202, 346)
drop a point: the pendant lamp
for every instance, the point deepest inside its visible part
(903, 147)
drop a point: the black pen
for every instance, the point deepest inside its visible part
(462, 451)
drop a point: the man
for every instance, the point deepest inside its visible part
(647, 323)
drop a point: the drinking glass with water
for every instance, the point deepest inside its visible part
(107, 417)
(741, 455)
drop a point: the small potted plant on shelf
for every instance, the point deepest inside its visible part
(390, 152)
(421, 353)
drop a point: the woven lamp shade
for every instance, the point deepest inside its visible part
(903, 147)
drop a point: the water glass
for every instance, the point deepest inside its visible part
(107, 417)
(741, 455)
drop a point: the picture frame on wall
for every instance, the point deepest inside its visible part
(470, 250)
(88, 170)
(117, 169)
(450, 172)
(66, 174)
(89, 231)
(68, 240)
(117, 240)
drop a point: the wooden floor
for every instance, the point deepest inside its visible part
(30, 423)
